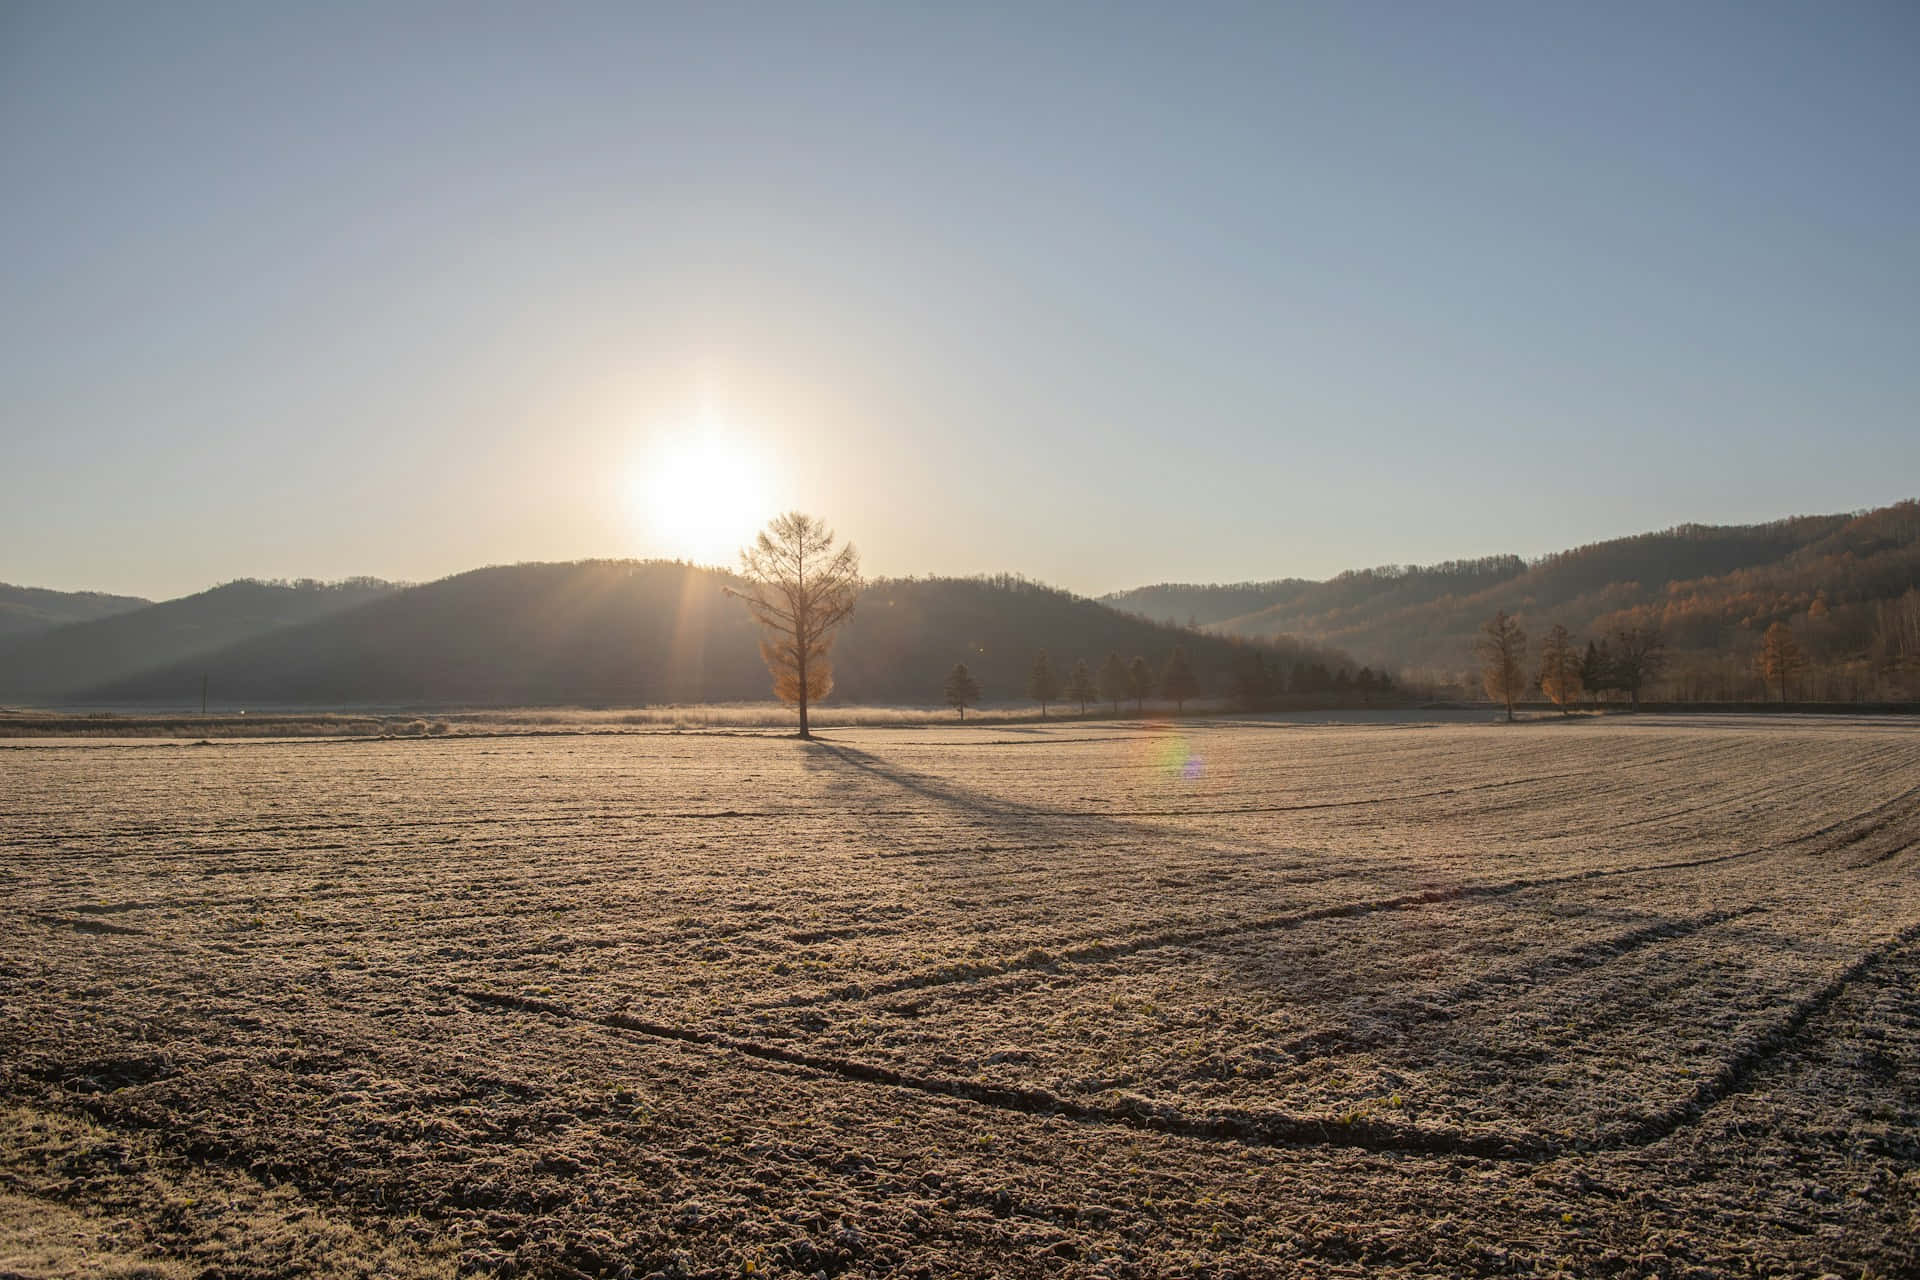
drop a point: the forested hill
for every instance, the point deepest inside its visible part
(635, 632)
(27, 610)
(1711, 589)
(50, 664)
(1201, 605)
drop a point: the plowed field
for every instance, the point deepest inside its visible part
(1623, 998)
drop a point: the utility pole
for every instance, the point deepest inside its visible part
(203, 693)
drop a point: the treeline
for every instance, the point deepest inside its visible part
(1255, 681)
(1807, 657)
(1712, 592)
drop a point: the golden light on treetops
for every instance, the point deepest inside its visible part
(698, 491)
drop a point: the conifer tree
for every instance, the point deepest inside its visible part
(1114, 685)
(963, 690)
(1139, 683)
(1254, 682)
(1595, 670)
(1177, 680)
(1042, 685)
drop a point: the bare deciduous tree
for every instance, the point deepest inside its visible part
(1139, 683)
(799, 587)
(1042, 685)
(1639, 654)
(1559, 669)
(1080, 685)
(1503, 659)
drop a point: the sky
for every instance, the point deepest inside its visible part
(1105, 294)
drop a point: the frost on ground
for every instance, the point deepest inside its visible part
(1613, 998)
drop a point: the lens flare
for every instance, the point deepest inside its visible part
(1173, 754)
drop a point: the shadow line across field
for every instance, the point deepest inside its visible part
(1876, 818)
(1275, 1128)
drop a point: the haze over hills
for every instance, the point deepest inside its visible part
(1709, 588)
(52, 663)
(25, 611)
(610, 632)
(621, 632)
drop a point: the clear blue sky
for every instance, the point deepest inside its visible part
(1106, 294)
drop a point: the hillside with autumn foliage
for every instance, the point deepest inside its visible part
(1847, 586)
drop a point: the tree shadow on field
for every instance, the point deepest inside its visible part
(1006, 815)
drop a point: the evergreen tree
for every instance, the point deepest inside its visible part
(1042, 685)
(1254, 682)
(1177, 679)
(1114, 685)
(963, 690)
(1595, 670)
(1139, 683)
(1080, 685)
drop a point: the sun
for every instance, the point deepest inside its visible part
(700, 493)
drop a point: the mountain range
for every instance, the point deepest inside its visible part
(599, 632)
(628, 632)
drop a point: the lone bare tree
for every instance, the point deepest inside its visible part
(1503, 659)
(799, 588)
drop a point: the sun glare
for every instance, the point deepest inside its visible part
(700, 494)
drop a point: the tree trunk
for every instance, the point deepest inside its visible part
(803, 688)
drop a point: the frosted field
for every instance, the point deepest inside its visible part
(1624, 998)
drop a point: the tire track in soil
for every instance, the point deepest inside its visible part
(947, 975)
(1264, 1129)
(1544, 971)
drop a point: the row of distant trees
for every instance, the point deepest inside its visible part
(1257, 683)
(1623, 663)
(1117, 681)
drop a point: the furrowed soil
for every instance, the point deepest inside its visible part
(1615, 998)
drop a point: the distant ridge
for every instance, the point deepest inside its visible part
(52, 663)
(1708, 587)
(27, 610)
(626, 632)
